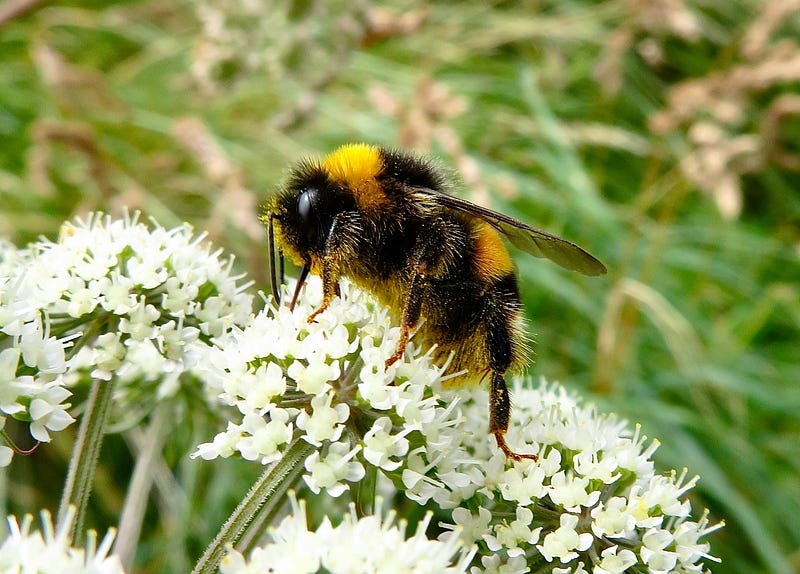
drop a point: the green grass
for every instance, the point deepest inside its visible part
(694, 333)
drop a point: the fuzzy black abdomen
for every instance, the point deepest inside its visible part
(479, 322)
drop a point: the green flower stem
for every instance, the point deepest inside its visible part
(365, 492)
(130, 522)
(83, 462)
(265, 495)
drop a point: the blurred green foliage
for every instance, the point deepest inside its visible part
(662, 136)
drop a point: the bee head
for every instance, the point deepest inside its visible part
(305, 209)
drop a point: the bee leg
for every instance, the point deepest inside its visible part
(500, 414)
(500, 347)
(330, 287)
(335, 242)
(427, 260)
(411, 312)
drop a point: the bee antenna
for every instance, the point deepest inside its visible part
(273, 279)
(280, 256)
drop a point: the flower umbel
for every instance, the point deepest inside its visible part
(366, 544)
(111, 298)
(144, 307)
(50, 551)
(325, 381)
(593, 500)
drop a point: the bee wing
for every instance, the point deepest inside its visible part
(529, 239)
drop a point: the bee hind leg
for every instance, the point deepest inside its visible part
(500, 414)
(499, 343)
(501, 309)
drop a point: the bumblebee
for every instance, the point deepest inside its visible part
(387, 220)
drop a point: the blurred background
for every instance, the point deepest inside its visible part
(663, 136)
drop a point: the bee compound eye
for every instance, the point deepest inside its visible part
(305, 203)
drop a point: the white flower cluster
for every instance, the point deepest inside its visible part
(327, 382)
(32, 361)
(110, 298)
(50, 552)
(592, 502)
(370, 544)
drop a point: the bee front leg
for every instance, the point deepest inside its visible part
(330, 273)
(330, 286)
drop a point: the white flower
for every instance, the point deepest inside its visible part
(325, 421)
(86, 307)
(173, 340)
(614, 561)
(380, 445)
(83, 297)
(312, 378)
(260, 387)
(687, 544)
(419, 486)
(370, 544)
(146, 268)
(654, 551)
(514, 536)
(524, 486)
(373, 378)
(614, 518)
(116, 293)
(590, 465)
(563, 542)
(179, 298)
(39, 350)
(665, 493)
(108, 353)
(223, 445)
(48, 412)
(40, 399)
(331, 472)
(570, 491)
(6, 454)
(578, 569)
(50, 552)
(261, 438)
(471, 527)
(495, 564)
(140, 323)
